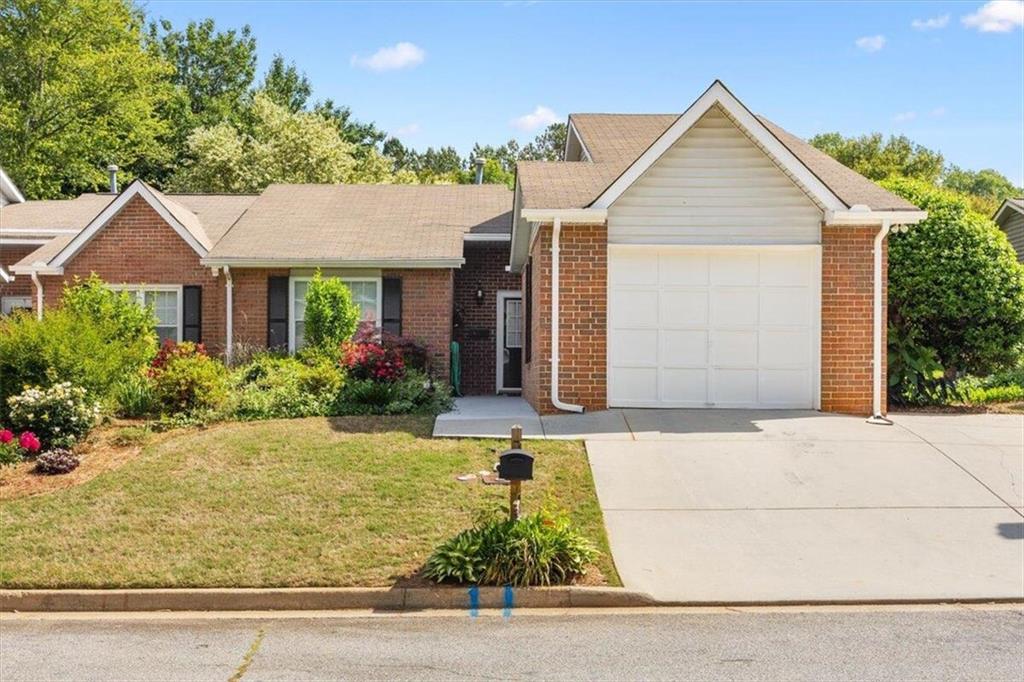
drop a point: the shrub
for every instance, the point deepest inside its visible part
(538, 549)
(186, 380)
(285, 388)
(134, 397)
(414, 393)
(331, 317)
(14, 450)
(99, 338)
(915, 375)
(56, 461)
(372, 361)
(955, 285)
(413, 353)
(58, 415)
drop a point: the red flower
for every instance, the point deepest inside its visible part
(6, 436)
(29, 442)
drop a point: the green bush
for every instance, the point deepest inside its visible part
(186, 380)
(59, 415)
(93, 343)
(955, 285)
(415, 393)
(134, 398)
(285, 388)
(538, 549)
(331, 317)
(915, 375)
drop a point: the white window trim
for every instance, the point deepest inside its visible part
(307, 278)
(499, 378)
(139, 291)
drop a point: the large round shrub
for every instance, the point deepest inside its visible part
(331, 317)
(58, 415)
(186, 380)
(955, 285)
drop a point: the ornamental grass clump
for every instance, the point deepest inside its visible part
(59, 416)
(538, 549)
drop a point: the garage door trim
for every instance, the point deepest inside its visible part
(815, 305)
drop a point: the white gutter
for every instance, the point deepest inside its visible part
(862, 215)
(876, 359)
(566, 215)
(325, 263)
(567, 407)
(39, 294)
(229, 287)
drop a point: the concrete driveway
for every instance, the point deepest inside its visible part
(740, 506)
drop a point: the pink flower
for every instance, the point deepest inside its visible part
(29, 442)
(6, 436)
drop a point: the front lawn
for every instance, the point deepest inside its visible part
(306, 502)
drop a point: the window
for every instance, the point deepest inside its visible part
(165, 300)
(10, 304)
(365, 293)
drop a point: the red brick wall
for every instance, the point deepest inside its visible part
(477, 322)
(22, 284)
(847, 285)
(427, 300)
(249, 306)
(583, 319)
(138, 247)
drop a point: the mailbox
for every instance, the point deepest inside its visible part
(515, 465)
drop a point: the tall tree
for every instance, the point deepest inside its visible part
(363, 135)
(874, 157)
(548, 146)
(986, 188)
(77, 92)
(286, 85)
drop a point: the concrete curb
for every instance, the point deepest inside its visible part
(318, 599)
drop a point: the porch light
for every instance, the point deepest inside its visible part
(479, 294)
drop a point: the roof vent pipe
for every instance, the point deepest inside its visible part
(112, 169)
(479, 163)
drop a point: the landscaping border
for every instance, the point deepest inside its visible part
(318, 599)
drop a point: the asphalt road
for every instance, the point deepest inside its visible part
(963, 643)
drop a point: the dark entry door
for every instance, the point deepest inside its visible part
(512, 345)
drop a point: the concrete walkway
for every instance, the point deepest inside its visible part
(493, 416)
(710, 506)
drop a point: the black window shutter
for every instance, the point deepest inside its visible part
(391, 315)
(528, 312)
(192, 314)
(277, 313)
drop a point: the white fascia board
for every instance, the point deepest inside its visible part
(8, 188)
(506, 237)
(22, 241)
(583, 145)
(39, 267)
(867, 217)
(719, 94)
(136, 188)
(566, 215)
(397, 263)
(1007, 204)
(4, 276)
(37, 231)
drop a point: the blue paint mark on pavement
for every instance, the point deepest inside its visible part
(507, 611)
(474, 601)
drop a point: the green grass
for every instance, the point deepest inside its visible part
(306, 502)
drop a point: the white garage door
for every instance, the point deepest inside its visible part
(713, 327)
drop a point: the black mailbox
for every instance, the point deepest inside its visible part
(515, 465)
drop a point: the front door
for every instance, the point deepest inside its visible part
(510, 341)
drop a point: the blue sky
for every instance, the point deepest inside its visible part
(950, 75)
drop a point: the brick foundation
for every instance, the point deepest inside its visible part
(847, 285)
(476, 322)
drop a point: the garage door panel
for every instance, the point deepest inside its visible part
(684, 308)
(683, 269)
(685, 387)
(634, 268)
(783, 348)
(734, 348)
(785, 268)
(633, 347)
(785, 306)
(684, 348)
(734, 268)
(635, 308)
(734, 387)
(784, 388)
(635, 385)
(734, 307)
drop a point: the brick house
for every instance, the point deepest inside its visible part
(708, 259)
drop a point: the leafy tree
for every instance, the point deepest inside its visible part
(877, 159)
(277, 145)
(363, 135)
(285, 85)
(331, 315)
(987, 188)
(77, 92)
(548, 146)
(955, 285)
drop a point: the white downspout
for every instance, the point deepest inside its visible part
(876, 383)
(39, 294)
(567, 407)
(229, 287)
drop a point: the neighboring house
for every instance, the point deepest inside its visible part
(708, 259)
(11, 295)
(1010, 218)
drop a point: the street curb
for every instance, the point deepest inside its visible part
(319, 599)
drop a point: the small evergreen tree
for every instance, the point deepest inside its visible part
(331, 316)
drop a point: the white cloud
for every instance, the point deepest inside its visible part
(937, 112)
(904, 116)
(931, 24)
(870, 43)
(410, 129)
(998, 16)
(398, 56)
(538, 118)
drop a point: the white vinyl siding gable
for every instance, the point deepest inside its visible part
(714, 186)
(1014, 228)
